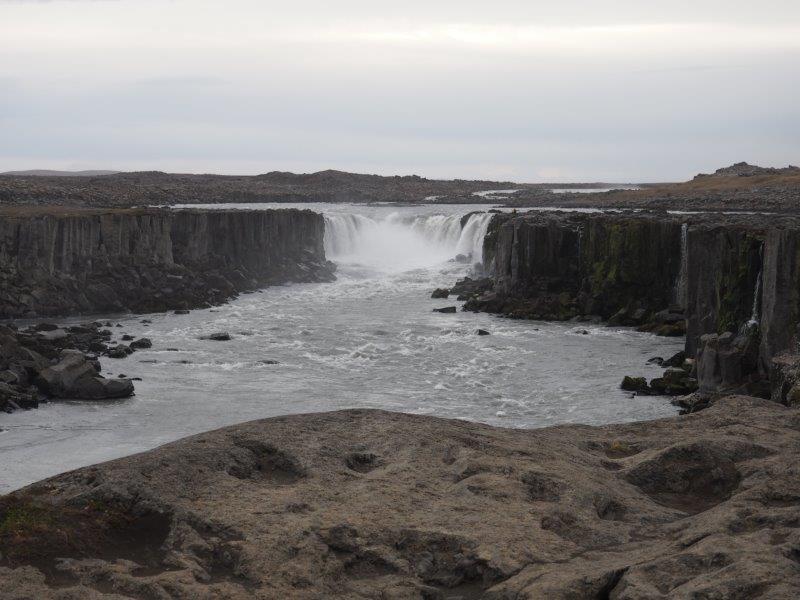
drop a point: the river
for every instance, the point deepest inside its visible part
(370, 339)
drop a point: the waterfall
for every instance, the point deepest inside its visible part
(754, 313)
(755, 316)
(398, 243)
(342, 233)
(681, 289)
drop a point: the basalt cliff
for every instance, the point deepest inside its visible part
(73, 261)
(731, 283)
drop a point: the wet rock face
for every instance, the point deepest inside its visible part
(370, 504)
(558, 266)
(151, 260)
(724, 270)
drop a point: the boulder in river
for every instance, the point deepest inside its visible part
(76, 377)
(446, 309)
(141, 343)
(634, 384)
(440, 293)
(218, 336)
(676, 360)
(120, 351)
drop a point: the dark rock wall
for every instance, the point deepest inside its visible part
(780, 297)
(724, 263)
(535, 256)
(736, 267)
(627, 262)
(605, 263)
(151, 260)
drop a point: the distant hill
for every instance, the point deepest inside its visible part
(743, 169)
(155, 187)
(50, 173)
(738, 187)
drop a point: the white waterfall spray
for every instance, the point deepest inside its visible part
(400, 243)
(755, 312)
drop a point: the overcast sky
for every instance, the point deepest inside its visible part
(564, 90)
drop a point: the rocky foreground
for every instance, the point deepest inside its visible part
(370, 504)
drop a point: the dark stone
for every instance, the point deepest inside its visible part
(121, 351)
(676, 360)
(634, 384)
(446, 309)
(440, 293)
(482, 332)
(141, 343)
(75, 377)
(97, 346)
(219, 336)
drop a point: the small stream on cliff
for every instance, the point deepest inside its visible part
(370, 339)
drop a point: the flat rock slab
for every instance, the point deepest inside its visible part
(372, 504)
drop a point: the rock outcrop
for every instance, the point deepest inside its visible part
(147, 260)
(561, 265)
(743, 169)
(75, 376)
(45, 362)
(370, 504)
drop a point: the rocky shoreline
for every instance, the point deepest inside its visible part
(371, 504)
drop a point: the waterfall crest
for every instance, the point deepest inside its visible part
(398, 243)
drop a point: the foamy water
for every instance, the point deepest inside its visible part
(370, 339)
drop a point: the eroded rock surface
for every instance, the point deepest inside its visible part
(370, 504)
